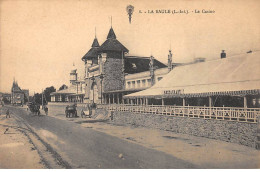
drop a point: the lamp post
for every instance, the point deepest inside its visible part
(101, 80)
(93, 79)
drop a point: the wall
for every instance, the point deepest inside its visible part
(114, 76)
(229, 131)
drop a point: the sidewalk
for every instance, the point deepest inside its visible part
(207, 153)
(16, 152)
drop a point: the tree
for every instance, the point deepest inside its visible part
(38, 98)
(5, 100)
(63, 87)
(48, 91)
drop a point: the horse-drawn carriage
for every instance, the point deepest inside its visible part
(71, 111)
(34, 108)
(86, 111)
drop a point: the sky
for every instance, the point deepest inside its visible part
(41, 39)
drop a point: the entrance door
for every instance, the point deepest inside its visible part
(94, 93)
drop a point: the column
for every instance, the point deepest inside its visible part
(146, 101)
(162, 102)
(113, 98)
(132, 101)
(183, 102)
(245, 102)
(123, 100)
(210, 101)
(117, 95)
(109, 101)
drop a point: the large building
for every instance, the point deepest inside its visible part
(19, 96)
(110, 74)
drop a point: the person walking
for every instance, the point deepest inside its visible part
(45, 109)
(7, 114)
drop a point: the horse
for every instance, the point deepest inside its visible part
(71, 111)
(34, 108)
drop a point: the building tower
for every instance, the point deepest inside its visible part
(90, 59)
(113, 56)
(73, 75)
(17, 95)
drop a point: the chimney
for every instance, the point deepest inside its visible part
(223, 54)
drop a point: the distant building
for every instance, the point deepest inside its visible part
(18, 95)
(75, 91)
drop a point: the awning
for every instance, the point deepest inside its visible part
(236, 75)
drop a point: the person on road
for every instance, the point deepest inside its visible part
(45, 109)
(7, 114)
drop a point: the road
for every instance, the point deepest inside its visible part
(74, 146)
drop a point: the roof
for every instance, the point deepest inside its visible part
(235, 74)
(95, 43)
(93, 52)
(135, 64)
(15, 87)
(111, 34)
(65, 91)
(112, 44)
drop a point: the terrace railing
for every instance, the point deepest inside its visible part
(219, 113)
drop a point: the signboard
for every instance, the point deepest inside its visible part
(173, 92)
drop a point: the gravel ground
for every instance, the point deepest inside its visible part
(16, 149)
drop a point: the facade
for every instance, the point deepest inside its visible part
(225, 82)
(19, 96)
(110, 73)
(224, 89)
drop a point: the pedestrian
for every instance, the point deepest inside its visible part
(45, 109)
(90, 110)
(7, 114)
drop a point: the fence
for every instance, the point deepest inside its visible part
(220, 113)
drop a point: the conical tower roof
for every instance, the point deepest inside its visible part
(95, 43)
(15, 87)
(111, 34)
(93, 52)
(112, 44)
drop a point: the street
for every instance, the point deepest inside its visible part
(71, 146)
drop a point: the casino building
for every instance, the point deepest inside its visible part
(110, 74)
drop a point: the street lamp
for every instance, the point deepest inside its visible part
(101, 80)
